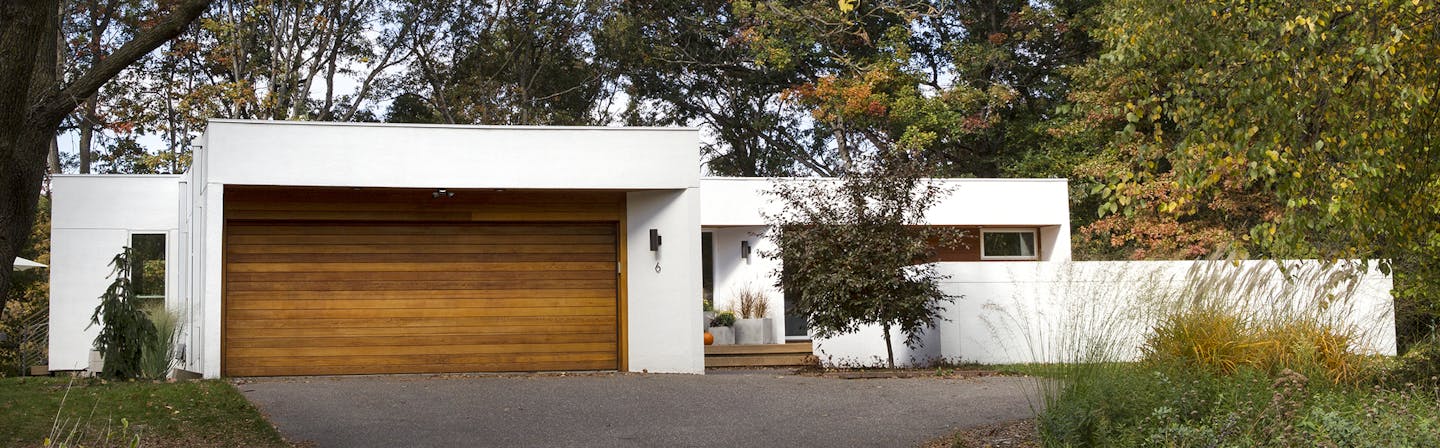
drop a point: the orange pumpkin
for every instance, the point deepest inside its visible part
(709, 338)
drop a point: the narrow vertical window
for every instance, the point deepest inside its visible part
(148, 267)
(707, 266)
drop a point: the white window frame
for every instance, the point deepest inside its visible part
(1034, 232)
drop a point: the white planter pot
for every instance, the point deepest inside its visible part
(723, 335)
(750, 331)
(770, 331)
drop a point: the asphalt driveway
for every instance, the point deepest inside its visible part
(729, 409)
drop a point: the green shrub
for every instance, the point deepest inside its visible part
(724, 319)
(1420, 365)
(124, 328)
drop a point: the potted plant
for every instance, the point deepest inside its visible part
(753, 327)
(721, 328)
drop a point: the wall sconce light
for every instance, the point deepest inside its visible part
(442, 193)
(654, 240)
(745, 249)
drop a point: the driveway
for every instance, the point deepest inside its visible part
(726, 409)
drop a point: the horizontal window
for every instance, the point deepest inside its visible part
(1007, 244)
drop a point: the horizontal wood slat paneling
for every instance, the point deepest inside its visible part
(420, 276)
(420, 359)
(424, 322)
(371, 368)
(330, 239)
(417, 304)
(596, 328)
(432, 285)
(334, 281)
(346, 204)
(367, 350)
(422, 294)
(413, 340)
(383, 313)
(420, 266)
(424, 249)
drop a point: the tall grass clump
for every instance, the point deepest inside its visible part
(1210, 353)
(157, 353)
(751, 303)
(1081, 335)
(1263, 315)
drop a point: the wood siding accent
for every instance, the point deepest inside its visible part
(968, 250)
(417, 204)
(340, 281)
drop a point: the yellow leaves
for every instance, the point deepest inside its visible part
(848, 5)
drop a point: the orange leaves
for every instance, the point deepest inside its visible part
(832, 99)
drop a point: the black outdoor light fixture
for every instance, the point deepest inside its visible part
(442, 193)
(745, 249)
(654, 240)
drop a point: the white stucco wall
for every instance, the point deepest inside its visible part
(657, 166)
(1021, 312)
(734, 209)
(449, 156)
(1037, 312)
(663, 312)
(92, 219)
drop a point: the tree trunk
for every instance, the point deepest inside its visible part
(33, 103)
(889, 350)
(53, 158)
(87, 134)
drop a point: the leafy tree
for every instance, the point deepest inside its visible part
(688, 63)
(410, 108)
(854, 249)
(523, 62)
(34, 100)
(964, 84)
(30, 295)
(1302, 129)
(125, 328)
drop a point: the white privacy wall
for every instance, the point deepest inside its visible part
(1022, 312)
(1038, 312)
(92, 219)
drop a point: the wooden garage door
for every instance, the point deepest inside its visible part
(322, 298)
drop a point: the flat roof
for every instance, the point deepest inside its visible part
(97, 175)
(453, 126)
(943, 179)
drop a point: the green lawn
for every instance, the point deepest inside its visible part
(186, 413)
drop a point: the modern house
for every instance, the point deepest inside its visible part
(301, 248)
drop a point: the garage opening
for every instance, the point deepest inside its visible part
(332, 281)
